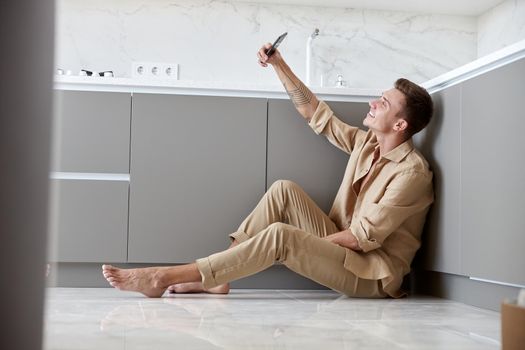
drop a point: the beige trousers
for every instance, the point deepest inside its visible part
(287, 227)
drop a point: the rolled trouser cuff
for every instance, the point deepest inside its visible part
(204, 267)
(239, 236)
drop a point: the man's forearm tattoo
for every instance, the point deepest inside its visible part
(298, 92)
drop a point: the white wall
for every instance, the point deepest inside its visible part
(218, 40)
(501, 26)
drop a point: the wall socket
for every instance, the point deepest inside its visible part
(155, 70)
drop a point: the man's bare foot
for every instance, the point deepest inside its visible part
(196, 287)
(145, 280)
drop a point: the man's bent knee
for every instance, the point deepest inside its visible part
(283, 185)
(286, 184)
(277, 227)
(279, 231)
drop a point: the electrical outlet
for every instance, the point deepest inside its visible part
(168, 70)
(155, 70)
(138, 70)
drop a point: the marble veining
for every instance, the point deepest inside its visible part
(103, 318)
(501, 26)
(218, 40)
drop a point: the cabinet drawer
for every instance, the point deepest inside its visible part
(92, 131)
(90, 220)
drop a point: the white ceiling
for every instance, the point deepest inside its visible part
(452, 7)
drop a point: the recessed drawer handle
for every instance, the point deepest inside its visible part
(88, 176)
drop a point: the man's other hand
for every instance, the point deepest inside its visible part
(345, 239)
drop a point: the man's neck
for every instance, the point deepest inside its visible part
(389, 142)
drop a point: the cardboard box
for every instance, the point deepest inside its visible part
(512, 326)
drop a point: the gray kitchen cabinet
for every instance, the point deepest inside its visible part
(296, 153)
(197, 170)
(90, 217)
(492, 175)
(91, 220)
(92, 131)
(440, 144)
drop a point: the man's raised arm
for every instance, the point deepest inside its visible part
(303, 99)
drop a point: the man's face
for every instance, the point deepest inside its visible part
(384, 117)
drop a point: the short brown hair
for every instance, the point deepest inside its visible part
(418, 108)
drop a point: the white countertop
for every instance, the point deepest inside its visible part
(213, 88)
(210, 88)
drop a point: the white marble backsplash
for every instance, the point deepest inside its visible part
(218, 40)
(501, 26)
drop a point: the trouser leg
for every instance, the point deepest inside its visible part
(286, 202)
(302, 252)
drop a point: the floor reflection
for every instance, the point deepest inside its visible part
(248, 319)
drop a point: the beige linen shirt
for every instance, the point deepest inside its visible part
(388, 212)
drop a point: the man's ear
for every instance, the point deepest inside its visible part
(400, 125)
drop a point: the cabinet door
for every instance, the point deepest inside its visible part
(92, 131)
(440, 144)
(296, 153)
(492, 175)
(90, 220)
(197, 170)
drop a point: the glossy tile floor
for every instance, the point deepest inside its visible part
(103, 318)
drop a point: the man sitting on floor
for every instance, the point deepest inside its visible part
(365, 246)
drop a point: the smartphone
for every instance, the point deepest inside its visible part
(276, 44)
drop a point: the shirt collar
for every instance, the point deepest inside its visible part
(400, 152)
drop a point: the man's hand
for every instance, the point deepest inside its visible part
(264, 60)
(345, 239)
(303, 99)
